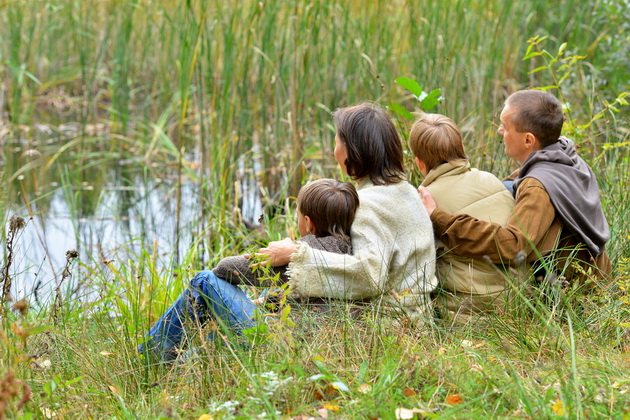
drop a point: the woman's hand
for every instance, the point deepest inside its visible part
(427, 200)
(276, 253)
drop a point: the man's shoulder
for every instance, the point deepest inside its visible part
(530, 188)
(530, 182)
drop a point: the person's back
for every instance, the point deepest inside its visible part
(468, 285)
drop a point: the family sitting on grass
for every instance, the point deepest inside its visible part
(377, 244)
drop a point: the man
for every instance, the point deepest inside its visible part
(557, 220)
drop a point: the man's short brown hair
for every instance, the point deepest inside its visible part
(331, 206)
(435, 139)
(537, 112)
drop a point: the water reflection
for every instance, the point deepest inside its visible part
(106, 209)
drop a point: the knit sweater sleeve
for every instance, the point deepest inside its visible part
(530, 220)
(387, 236)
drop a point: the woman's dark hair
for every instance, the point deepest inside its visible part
(374, 147)
(331, 206)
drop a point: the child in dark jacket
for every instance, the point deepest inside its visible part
(325, 210)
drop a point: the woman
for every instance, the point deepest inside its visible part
(392, 240)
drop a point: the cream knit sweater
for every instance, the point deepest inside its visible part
(393, 253)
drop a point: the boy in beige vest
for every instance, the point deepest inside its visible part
(467, 285)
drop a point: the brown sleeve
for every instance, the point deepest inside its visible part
(531, 218)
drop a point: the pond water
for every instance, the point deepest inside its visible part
(110, 209)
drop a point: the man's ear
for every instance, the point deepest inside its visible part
(531, 141)
(310, 226)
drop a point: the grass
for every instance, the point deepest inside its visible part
(200, 95)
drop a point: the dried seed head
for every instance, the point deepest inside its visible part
(21, 307)
(16, 223)
(73, 253)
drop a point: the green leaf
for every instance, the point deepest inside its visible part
(257, 335)
(534, 54)
(562, 48)
(40, 329)
(537, 69)
(410, 84)
(401, 110)
(72, 381)
(284, 317)
(431, 100)
(546, 88)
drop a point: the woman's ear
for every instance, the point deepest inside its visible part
(310, 226)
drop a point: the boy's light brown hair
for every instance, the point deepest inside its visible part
(331, 206)
(435, 139)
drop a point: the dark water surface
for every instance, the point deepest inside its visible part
(105, 207)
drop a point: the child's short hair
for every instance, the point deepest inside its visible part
(435, 139)
(331, 205)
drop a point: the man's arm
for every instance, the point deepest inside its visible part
(529, 222)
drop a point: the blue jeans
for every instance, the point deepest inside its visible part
(207, 297)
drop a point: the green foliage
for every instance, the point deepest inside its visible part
(425, 101)
(565, 69)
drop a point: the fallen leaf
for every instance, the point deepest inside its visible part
(364, 388)
(410, 392)
(41, 364)
(331, 407)
(558, 408)
(114, 389)
(106, 353)
(48, 413)
(453, 399)
(323, 413)
(404, 413)
(476, 368)
(340, 386)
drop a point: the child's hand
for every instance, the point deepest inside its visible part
(276, 253)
